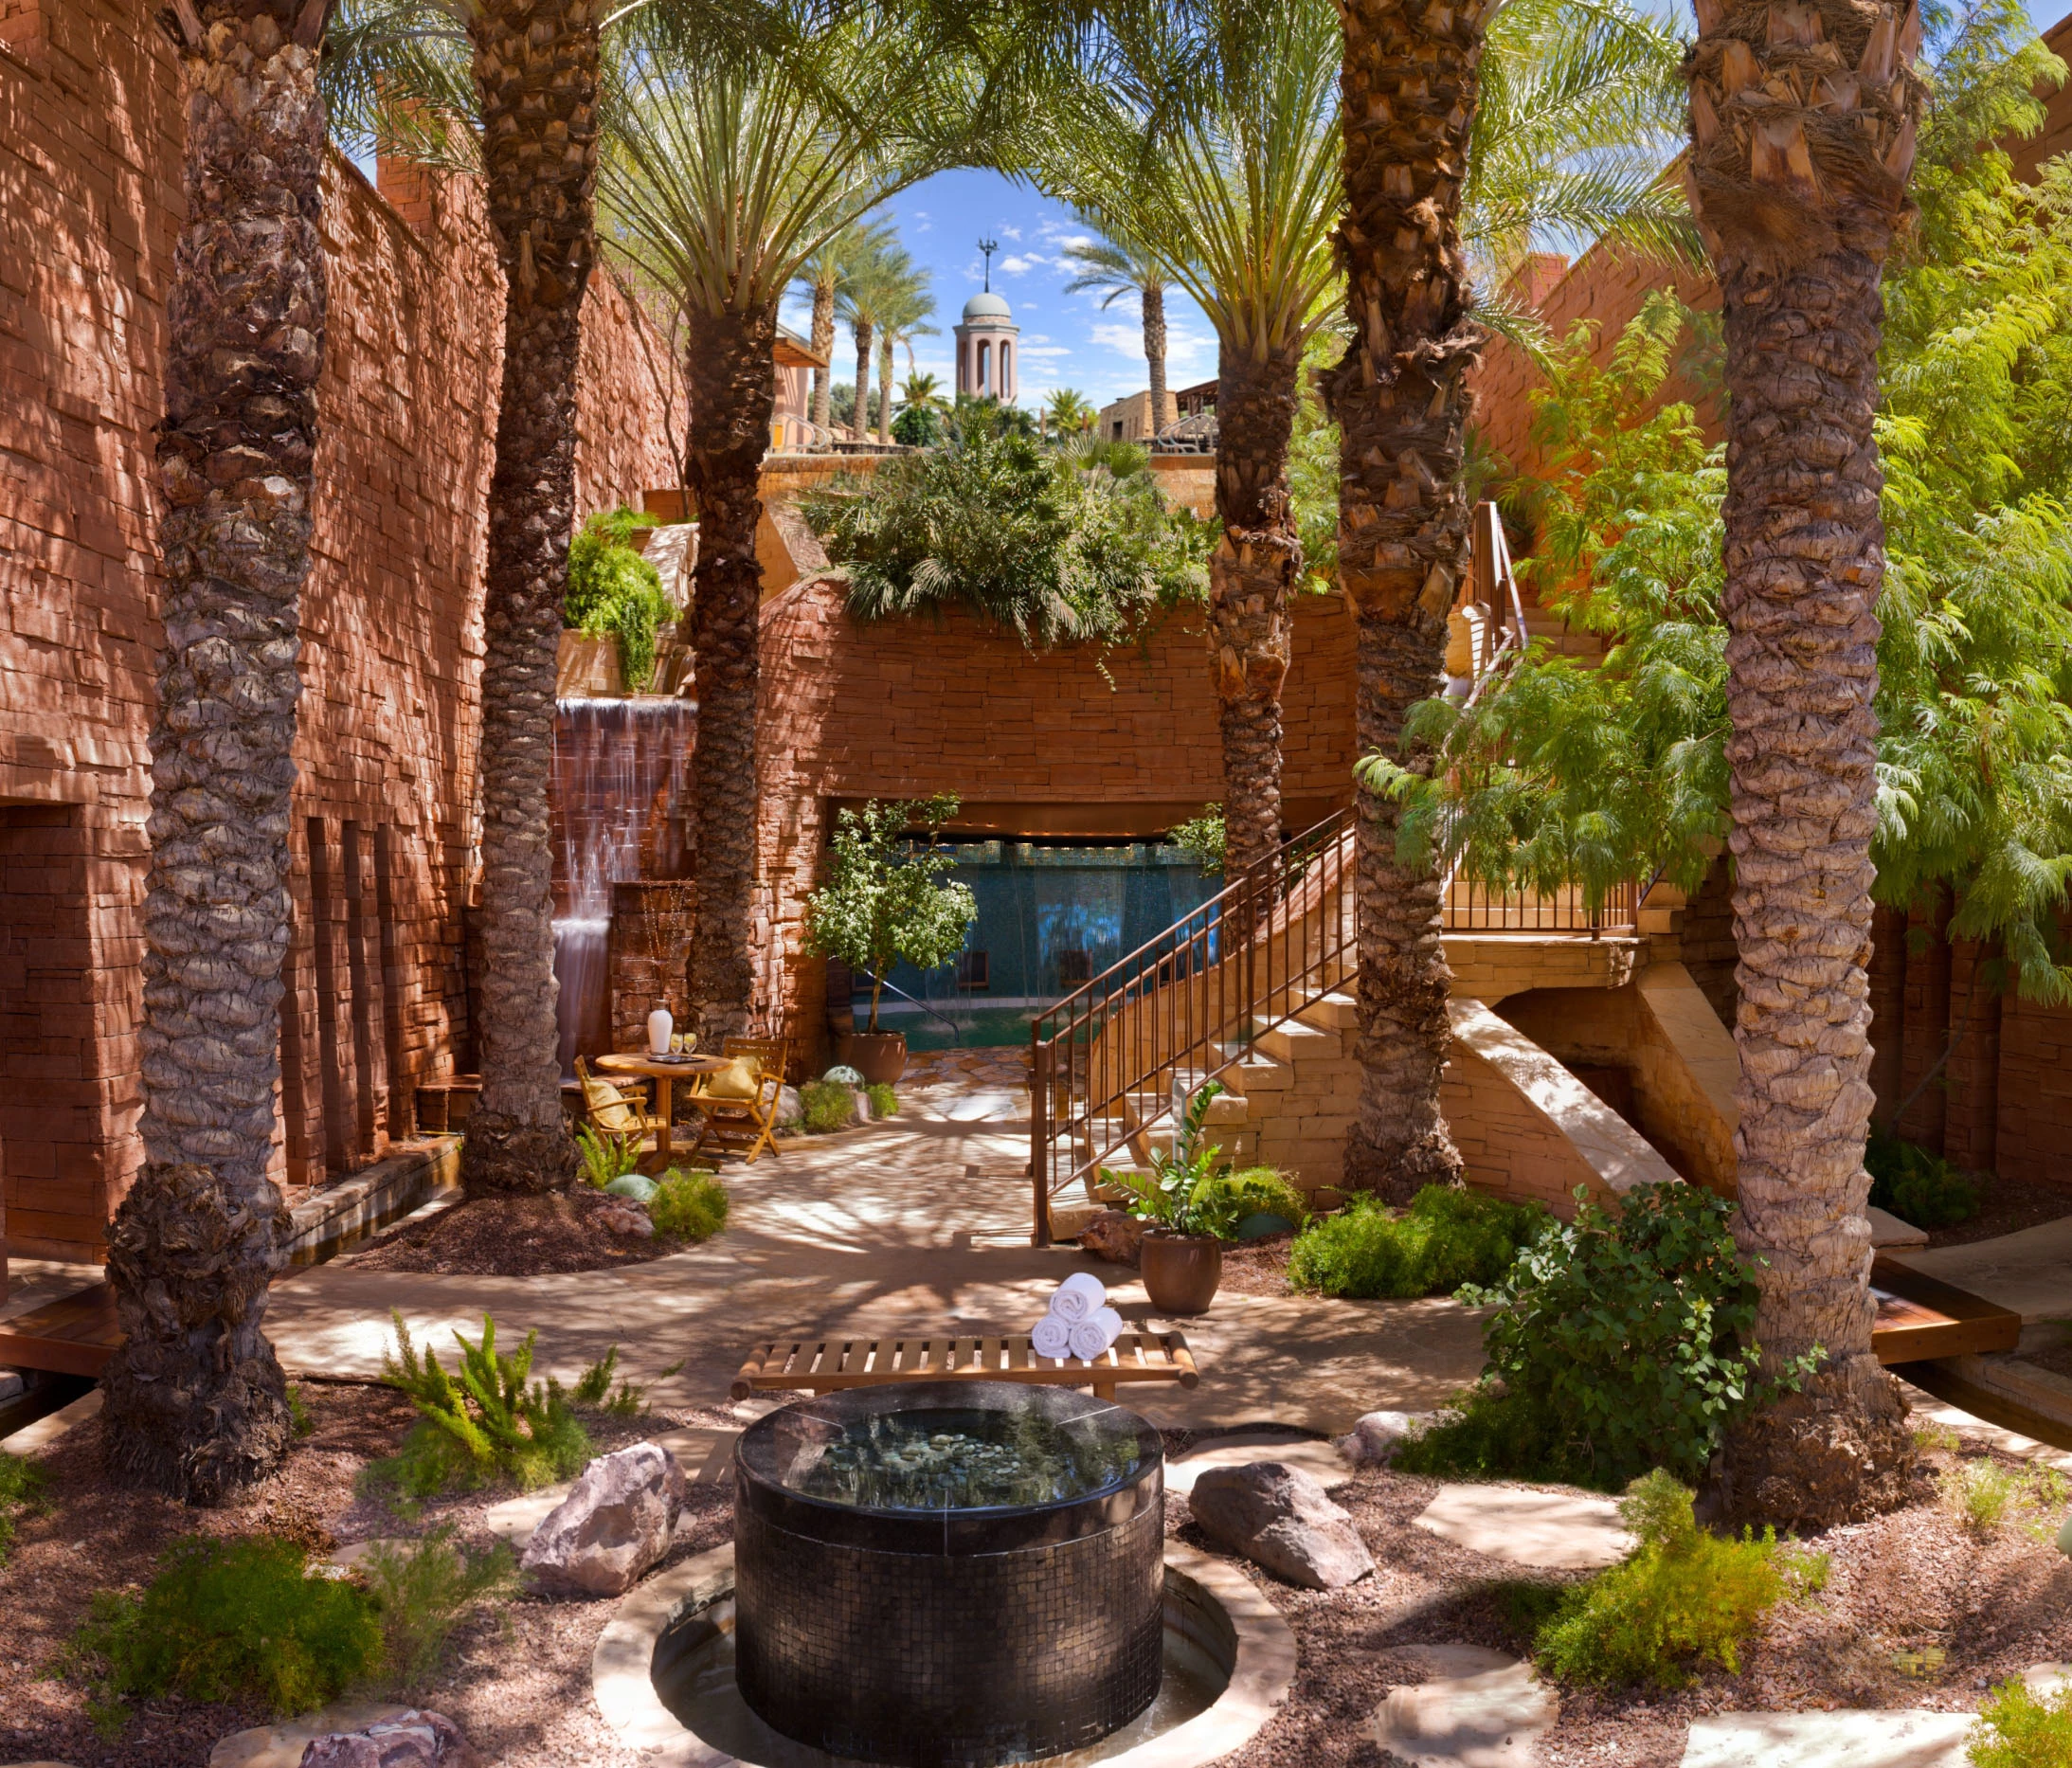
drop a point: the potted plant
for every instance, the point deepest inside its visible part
(1193, 1206)
(882, 903)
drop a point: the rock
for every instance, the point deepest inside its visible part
(1373, 1441)
(1113, 1236)
(1561, 1530)
(613, 1525)
(627, 1219)
(1842, 1740)
(416, 1740)
(1278, 1518)
(790, 1109)
(283, 1745)
(1476, 1708)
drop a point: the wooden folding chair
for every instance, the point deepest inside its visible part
(607, 1107)
(745, 1126)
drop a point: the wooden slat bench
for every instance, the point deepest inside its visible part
(826, 1365)
(1920, 1318)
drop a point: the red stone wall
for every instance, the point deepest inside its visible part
(90, 124)
(1065, 743)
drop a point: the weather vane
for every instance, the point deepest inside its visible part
(989, 247)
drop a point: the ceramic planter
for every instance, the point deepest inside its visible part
(880, 1058)
(1181, 1271)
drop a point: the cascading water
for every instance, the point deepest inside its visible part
(620, 772)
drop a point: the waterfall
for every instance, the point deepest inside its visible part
(619, 777)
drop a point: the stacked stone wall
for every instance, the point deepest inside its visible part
(90, 199)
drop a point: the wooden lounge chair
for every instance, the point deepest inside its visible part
(827, 1362)
(742, 1125)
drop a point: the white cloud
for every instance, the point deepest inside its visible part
(1127, 339)
(1019, 265)
(1012, 233)
(1044, 351)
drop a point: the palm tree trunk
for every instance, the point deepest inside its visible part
(536, 71)
(885, 390)
(732, 393)
(1251, 576)
(862, 424)
(1154, 354)
(823, 346)
(1799, 227)
(1408, 94)
(196, 1402)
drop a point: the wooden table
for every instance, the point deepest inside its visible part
(828, 1363)
(664, 1073)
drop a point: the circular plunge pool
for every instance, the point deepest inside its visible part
(944, 1575)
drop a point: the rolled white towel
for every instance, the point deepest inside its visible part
(1052, 1337)
(1078, 1297)
(1095, 1333)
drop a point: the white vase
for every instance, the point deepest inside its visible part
(659, 1024)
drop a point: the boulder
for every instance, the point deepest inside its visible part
(790, 1109)
(1373, 1441)
(1278, 1517)
(613, 1525)
(413, 1740)
(1113, 1236)
(627, 1219)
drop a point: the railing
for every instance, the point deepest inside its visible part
(1474, 907)
(1186, 1006)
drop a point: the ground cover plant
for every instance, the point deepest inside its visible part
(1448, 1237)
(1986, 1495)
(615, 593)
(884, 1101)
(1919, 1187)
(1681, 1596)
(422, 1590)
(688, 1205)
(489, 1421)
(607, 1157)
(22, 1485)
(826, 1105)
(1623, 1342)
(229, 1620)
(2017, 1729)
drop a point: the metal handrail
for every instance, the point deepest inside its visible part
(1187, 1003)
(956, 1031)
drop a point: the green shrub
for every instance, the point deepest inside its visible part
(424, 1590)
(605, 1156)
(1681, 1595)
(1265, 1192)
(826, 1105)
(593, 1388)
(884, 1101)
(1919, 1187)
(614, 592)
(485, 1423)
(1983, 1496)
(226, 1620)
(1447, 1237)
(2015, 1729)
(688, 1205)
(1623, 1342)
(22, 1485)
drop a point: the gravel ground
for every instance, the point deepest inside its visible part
(516, 1236)
(518, 1679)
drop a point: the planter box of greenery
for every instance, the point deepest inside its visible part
(882, 904)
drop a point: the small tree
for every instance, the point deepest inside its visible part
(882, 904)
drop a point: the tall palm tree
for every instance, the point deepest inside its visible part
(823, 275)
(877, 285)
(1207, 133)
(922, 391)
(1454, 153)
(726, 173)
(1114, 271)
(902, 318)
(1802, 129)
(196, 1401)
(1069, 411)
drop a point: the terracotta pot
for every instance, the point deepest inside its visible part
(880, 1058)
(1181, 1271)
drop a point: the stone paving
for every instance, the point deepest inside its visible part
(919, 1223)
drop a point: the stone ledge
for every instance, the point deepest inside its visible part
(372, 1196)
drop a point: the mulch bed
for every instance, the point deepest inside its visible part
(2007, 1203)
(518, 1681)
(515, 1237)
(1259, 1267)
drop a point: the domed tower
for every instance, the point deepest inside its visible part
(986, 347)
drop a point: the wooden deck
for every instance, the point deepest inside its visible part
(73, 1335)
(826, 1365)
(1920, 1318)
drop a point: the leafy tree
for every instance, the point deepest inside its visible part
(614, 591)
(1021, 534)
(883, 903)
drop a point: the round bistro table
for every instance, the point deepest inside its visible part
(664, 1072)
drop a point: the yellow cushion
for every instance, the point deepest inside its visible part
(608, 1107)
(742, 1079)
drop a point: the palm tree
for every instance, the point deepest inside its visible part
(196, 1401)
(1454, 151)
(1802, 128)
(1208, 133)
(921, 392)
(883, 284)
(699, 144)
(902, 318)
(1069, 411)
(823, 275)
(1106, 266)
